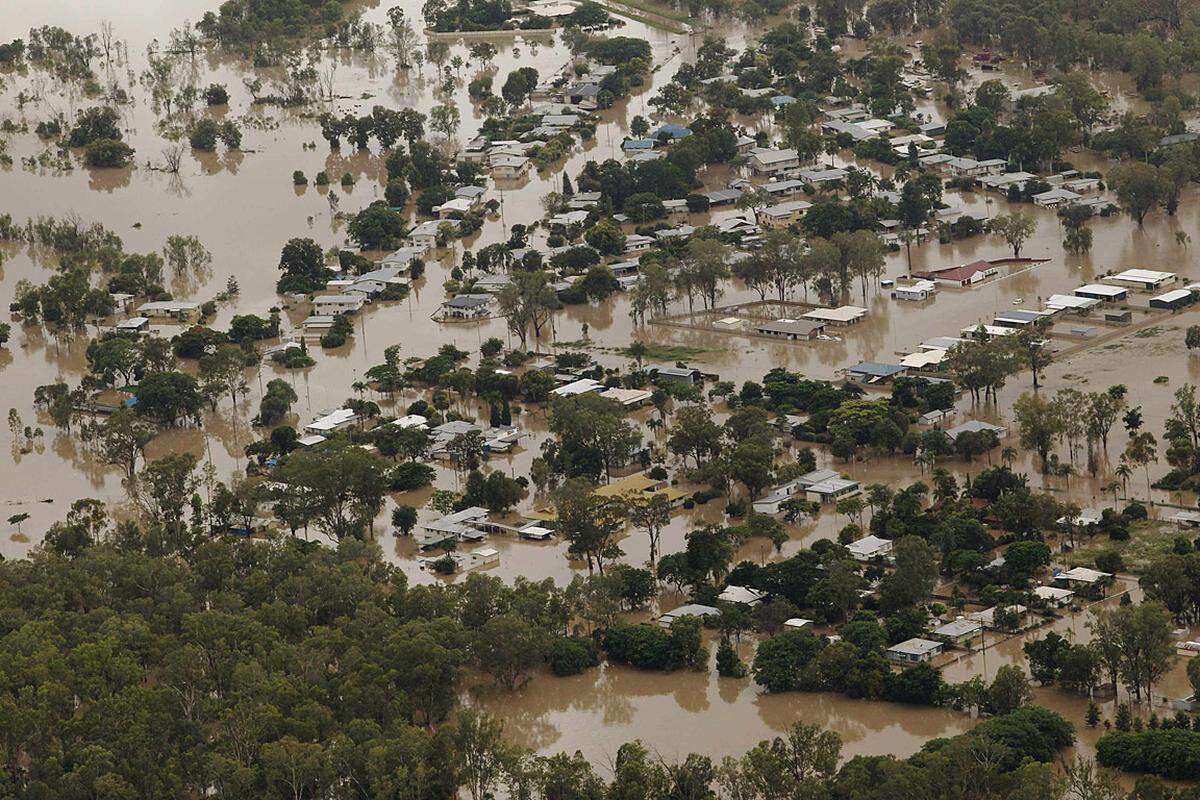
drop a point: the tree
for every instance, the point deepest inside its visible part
(1192, 338)
(1009, 690)
(1039, 424)
(186, 255)
(303, 265)
(590, 523)
(507, 647)
(914, 578)
(165, 487)
(121, 439)
(377, 227)
(1031, 346)
(592, 436)
(343, 485)
(225, 369)
(107, 153)
(95, 124)
(1135, 645)
(1014, 228)
(780, 660)
(484, 756)
(1139, 187)
(445, 119)
(652, 516)
(694, 435)
(167, 397)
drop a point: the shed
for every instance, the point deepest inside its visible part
(1173, 300)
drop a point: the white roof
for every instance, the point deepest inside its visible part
(988, 615)
(958, 627)
(840, 314)
(1172, 296)
(1102, 289)
(581, 386)
(832, 486)
(1142, 276)
(1059, 301)
(741, 594)
(331, 421)
(1084, 575)
(626, 397)
(169, 306)
(916, 647)
(133, 323)
(411, 421)
(797, 622)
(924, 358)
(457, 204)
(869, 545)
(770, 155)
(1052, 593)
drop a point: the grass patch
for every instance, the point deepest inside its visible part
(667, 352)
(19, 537)
(666, 12)
(1148, 333)
(1148, 540)
(656, 22)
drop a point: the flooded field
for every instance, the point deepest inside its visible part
(244, 207)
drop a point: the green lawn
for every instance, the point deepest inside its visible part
(668, 352)
(1148, 539)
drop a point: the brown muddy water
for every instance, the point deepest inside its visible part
(244, 208)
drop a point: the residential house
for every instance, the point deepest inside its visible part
(872, 372)
(332, 422)
(133, 325)
(783, 215)
(915, 651)
(425, 235)
(976, 426)
(918, 291)
(1053, 596)
(467, 306)
(629, 398)
(661, 375)
(509, 167)
(177, 309)
(773, 161)
(333, 304)
(454, 208)
(987, 617)
(831, 490)
(958, 632)
(964, 275)
(688, 610)
(1083, 577)
(741, 595)
(869, 548)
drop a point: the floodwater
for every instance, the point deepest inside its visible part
(244, 208)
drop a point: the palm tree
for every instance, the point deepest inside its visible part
(1124, 472)
(1008, 455)
(1111, 486)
